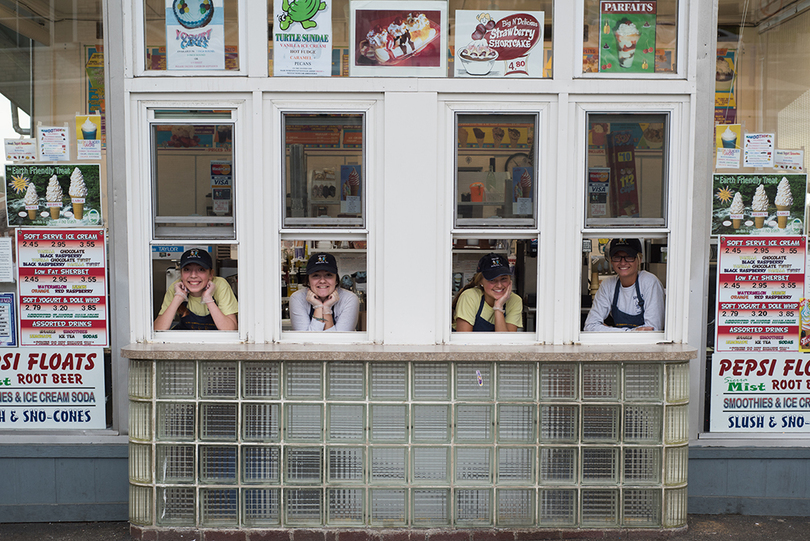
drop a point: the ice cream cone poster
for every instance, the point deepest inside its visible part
(728, 135)
(350, 189)
(195, 35)
(88, 140)
(53, 195)
(522, 191)
(499, 44)
(627, 37)
(747, 204)
(302, 38)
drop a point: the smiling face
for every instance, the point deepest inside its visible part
(195, 278)
(322, 283)
(495, 288)
(627, 270)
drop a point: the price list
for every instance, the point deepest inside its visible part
(760, 281)
(62, 287)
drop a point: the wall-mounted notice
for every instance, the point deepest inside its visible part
(62, 287)
(53, 144)
(195, 35)
(760, 281)
(6, 263)
(8, 320)
(20, 150)
(758, 149)
(52, 388)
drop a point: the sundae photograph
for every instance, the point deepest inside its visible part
(627, 37)
(748, 204)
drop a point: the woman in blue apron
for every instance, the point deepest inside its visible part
(632, 300)
(322, 305)
(486, 303)
(200, 300)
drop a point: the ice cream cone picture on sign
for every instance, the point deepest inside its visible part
(53, 197)
(31, 201)
(350, 189)
(783, 202)
(737, 210)
(627, 36)
(759, 207)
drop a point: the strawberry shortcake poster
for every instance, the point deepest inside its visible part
(499, 44)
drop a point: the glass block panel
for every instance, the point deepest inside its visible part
(261, 465)
(218, 421)
(218, 379)
(139, 382)
(140, 421)
(600, 465)
(516, 465)
(559, 423)
(600, 508)
(677, 382)
(474, 506)
(430, 464)
(643, 382)
(515, 507)
(516, 423)
(677, 424)
(140, 463)
(218, 464)
(431, 423)
(557, 507)
(474, 381)
(431, 506)
(175, 421)
(345, 464)
(304, 422)
(175, 463)
(345, 506)
(303, 380)
(473, 465)
(389, 381)
(431, 381)
(304, 465)
(558, 465)
(676, 466)
(558, 381)
(140, 505)
(260, 422)
(303, 506)
(260, 380)
(642, 465)
(219, 506)
(674, 508)
(642, 507)
(175, 379)
(388, 464)
(345, 380)
(261, 506)
(516, 381)
(600, 381)
(643, 424)
(175, 505)
(600, 423)
(388, 507)
(347, 422)
(473, 423)
(389, 423)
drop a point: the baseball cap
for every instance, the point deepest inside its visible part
(322, 262)
(631, 247)
(493, 265)
(198, 256)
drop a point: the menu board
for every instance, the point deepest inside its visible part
(760, 281)
(62, 287)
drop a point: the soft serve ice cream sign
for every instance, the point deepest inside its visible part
(499, 44)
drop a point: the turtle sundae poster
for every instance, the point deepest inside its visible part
(499, 44)
(750, 204)
(195, 35)
(302, 38)
(627, 37)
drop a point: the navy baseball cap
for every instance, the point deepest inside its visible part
(493, 265)
(198, 256)
(631, 247)
(322, 262)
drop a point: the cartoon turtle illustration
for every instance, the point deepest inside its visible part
(300, 11)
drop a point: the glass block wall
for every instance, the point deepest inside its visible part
(259, 444)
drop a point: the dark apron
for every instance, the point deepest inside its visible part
(193, 322)
(621, 319)
(481, 324)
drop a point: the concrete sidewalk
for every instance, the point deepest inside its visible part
(701, 527)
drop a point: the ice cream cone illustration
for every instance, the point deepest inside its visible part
(783, 202)
(479, 136)
(497, 136)
(736, 210)
(759, 206)
(354, 182)
(77, 193)
(514, 136)
(31, 201)
(53, 197)
(525, 184)
(462, 137)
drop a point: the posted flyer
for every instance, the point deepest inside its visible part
(302, 38)
(627, 37)
(745, 204)
(758, 149)
(52, 142)
(195, 35)
(20, 150)
(499, 43)
(598, 184)
(8, 320)
(760, 281)
(88, 140)
(62, 287)
(52, 388)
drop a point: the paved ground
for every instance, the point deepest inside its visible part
(701, 527)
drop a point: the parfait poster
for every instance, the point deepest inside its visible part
(749, 204)
(195, 35)
(302, 38)
(499, 44)
(627, 37)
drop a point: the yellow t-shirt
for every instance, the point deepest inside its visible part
(470, 300)
(223, 295)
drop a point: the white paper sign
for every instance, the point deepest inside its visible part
(728, 158)
(789, 160)
(758, 149)
(8, 320)
(6, 264)
(53, 144)
(195, 35)
(20, 150)
(302, 42)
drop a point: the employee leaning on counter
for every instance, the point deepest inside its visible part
(634, 298)
(323, 306)
(204, 302)
(487, 303)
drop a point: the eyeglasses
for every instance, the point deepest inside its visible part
(626, 258)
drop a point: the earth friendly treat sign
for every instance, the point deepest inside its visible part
(747, 204)
(499, 44)
(627, 37)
